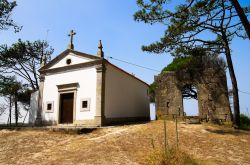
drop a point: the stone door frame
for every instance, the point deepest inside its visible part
(64, 89)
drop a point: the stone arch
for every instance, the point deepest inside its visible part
(212, 93)
(190, 95)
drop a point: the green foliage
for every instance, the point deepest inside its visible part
(23, 59)
(24, 96)
(5, 15)
(152, 92)
(244, 122)
(191, 24)
(178, 63)
(196, 60)
(24, 51)
(10, 87)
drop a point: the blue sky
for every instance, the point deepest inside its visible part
(112, 22)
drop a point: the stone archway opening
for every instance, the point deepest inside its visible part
(208, 75)
(190, 100)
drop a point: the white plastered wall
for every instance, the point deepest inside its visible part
(86, 90)
(33, 107)
(74, 60)
(125, 96)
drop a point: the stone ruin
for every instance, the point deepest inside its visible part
(212, 93)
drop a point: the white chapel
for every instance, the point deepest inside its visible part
(87, 90)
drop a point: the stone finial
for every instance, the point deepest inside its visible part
(100, 53)
(71, 35)
(44, 60)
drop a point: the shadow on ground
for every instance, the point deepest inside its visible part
(228, 132)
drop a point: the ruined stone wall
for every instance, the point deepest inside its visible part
(211, 84)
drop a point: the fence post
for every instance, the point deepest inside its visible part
(165, 135)
(176, 129)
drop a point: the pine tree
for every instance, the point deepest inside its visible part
(211, 25)
(6, 21)
(23, 59)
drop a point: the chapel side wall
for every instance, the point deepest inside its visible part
(125, 97)
(86, 90)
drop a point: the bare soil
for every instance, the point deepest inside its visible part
(128, 144)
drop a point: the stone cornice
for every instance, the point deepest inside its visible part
(42, 77)
(71, 67)
(100, 67)
(65, 53)
(72, 85)
(66, 87)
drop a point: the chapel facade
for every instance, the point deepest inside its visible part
(87, 90)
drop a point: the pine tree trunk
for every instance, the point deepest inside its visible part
(236, 105)
(242, 16)
(10, 110)
(16, 111)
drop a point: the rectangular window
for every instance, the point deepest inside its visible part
(49, 106)
(85, 104)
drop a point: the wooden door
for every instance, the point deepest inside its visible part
(66, 112)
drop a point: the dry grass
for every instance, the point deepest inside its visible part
(173, 156)
(129, 144)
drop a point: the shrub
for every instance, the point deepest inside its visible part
(178, 63)
(244, 122)
(152, 92)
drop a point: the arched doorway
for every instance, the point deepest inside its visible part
(190, 100)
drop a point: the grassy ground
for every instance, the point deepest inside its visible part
(130, 144)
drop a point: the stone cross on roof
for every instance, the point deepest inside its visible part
(71, 34)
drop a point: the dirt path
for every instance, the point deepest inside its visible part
(123, 145)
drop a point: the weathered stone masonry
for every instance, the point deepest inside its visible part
(211, 84)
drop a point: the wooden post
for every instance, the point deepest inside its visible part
(176, 130)
(165, 136)
(152, 143)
